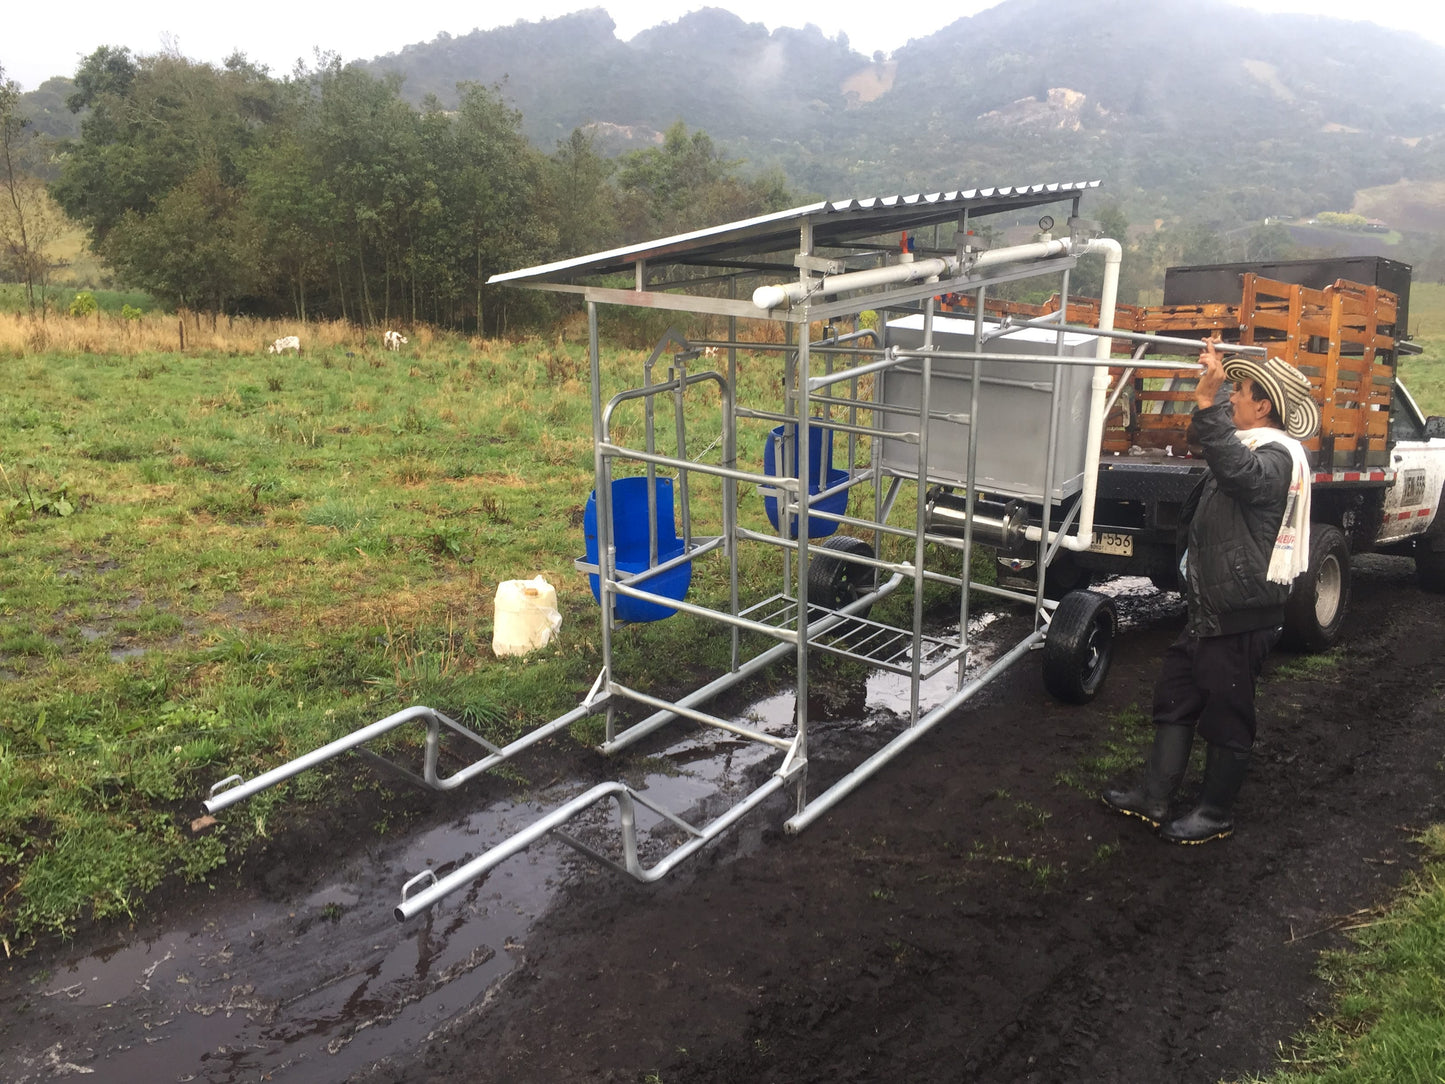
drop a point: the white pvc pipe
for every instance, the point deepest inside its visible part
(1108, 301)
(788, 294)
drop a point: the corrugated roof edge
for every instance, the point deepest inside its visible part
(745, 229)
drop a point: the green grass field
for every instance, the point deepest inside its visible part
(211, 562)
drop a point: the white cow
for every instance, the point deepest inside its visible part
(287, 342)
(393, 340)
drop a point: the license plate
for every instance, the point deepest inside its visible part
(1121, 545)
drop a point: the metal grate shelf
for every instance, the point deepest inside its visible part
(886, 647)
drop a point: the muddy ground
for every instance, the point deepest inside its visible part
(967, 915)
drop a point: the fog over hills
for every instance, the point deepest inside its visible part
(1186, 108)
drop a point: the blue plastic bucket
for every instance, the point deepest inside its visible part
(820, 452)
(631, 535)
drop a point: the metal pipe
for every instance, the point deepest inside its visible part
(787, 295)
(434, 720)
(411, 906)
(773, 654)
(1192, 345)
(997, 524)
(335, 748)
(700, 717)
(1113, 258)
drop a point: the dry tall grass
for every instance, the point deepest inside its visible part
(107, 333)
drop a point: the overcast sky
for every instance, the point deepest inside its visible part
(40, 41)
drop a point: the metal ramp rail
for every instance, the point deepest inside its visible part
(842, 383)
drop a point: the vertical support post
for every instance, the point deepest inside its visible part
(802, 451)
(650, 444)
(1047, 549)
(679, 372)
(602, 481)
(925, 423)
(730, 485)
(970, 497)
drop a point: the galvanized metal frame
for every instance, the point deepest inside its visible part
(824, 374)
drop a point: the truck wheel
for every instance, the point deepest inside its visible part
(1079, 646)
(1163, 565)
(1316, 608)
(1430, 567)
(1064, 574)
(834, 582)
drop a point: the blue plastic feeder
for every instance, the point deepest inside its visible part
(818, 453)
(630, 534)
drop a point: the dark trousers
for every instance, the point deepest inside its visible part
(1209, 681)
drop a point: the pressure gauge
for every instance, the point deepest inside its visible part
(1046, 223)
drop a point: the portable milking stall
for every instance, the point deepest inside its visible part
(993, 430)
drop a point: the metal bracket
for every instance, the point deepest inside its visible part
(1084, 229)
(819, 264)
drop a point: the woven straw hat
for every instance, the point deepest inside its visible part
(1288, 389)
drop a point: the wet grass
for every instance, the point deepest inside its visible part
(1117, 755)
(1387, 1026)
(210, 563)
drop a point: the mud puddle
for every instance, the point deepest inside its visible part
(322, 985)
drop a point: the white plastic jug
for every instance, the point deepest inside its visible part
(526, 616)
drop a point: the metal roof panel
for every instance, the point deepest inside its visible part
(834, 222)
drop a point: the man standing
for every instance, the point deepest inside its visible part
(1247, 525)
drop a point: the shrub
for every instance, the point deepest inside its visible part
(83, 304)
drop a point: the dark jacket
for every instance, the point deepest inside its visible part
(1232, 519)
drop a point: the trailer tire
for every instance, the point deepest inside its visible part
(834, 582)
(1315, 612)
(1079, 646)
(1430, 567)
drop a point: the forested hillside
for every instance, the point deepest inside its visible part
(1187, 108)
(325, 194)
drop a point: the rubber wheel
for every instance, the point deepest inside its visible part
(1079, 646)
(1430, 567)
(1315, 612)
(834, 582)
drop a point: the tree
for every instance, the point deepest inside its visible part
(687, 184)
(158, 174)
(1087, 279)
(29, 222)
(195, 248)
(1271, 242)
(495, 193)
(665, 188)
(586, 207)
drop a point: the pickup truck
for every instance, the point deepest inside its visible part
(1379, 463)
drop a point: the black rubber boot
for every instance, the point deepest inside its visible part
(1169, 757)
(1224, 771)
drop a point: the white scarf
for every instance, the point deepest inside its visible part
(1291, 554)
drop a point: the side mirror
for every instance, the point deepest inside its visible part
(1435, 427)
